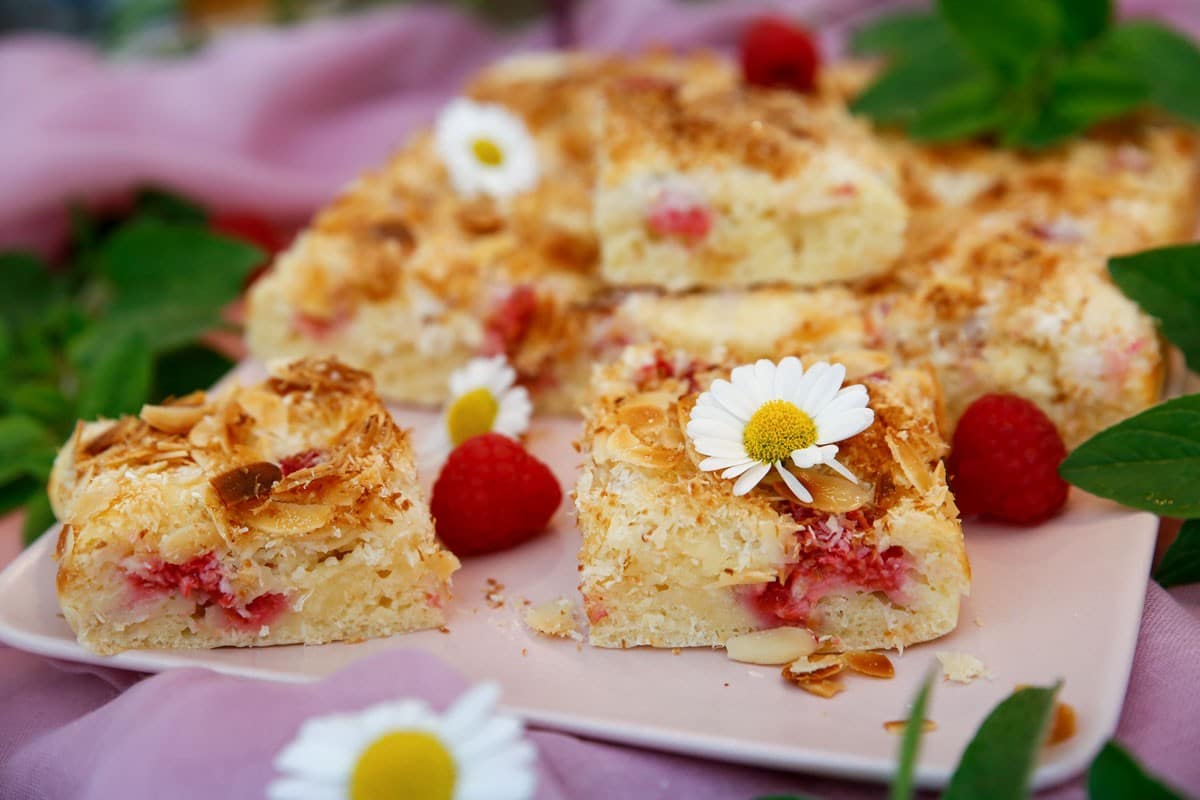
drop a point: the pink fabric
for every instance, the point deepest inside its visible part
(274, 122)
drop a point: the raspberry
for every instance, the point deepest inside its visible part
(1004, 461)
(298, 461)
(492, 495)
(777, 53)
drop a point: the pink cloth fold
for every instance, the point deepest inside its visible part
(274, 122)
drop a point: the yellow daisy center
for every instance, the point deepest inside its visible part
(487, 152)
(401, 765)
(472, 414)
(777, 429)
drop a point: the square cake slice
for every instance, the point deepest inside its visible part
(737, 189)
(279, 513)
(672, 558)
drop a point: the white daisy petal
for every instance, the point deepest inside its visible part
(839, 425)
(794, 485)
(470, 709)
(304, 789)
(463, 126)
(714, 464)
(711, 427)
(787, 377)
(722, 448)
(732, 400)
(750, 479)
(717, 413)
(824, 387)
(737, 469)
(840, 469)
(764, 380)
(806, 458)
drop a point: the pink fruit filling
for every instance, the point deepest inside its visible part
(202, 578)
(509, 321)
(298, 461)
(676, 214)
(834, 558)
(320, 328)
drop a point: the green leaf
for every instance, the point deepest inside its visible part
(967, 110)
(1166, 283)
(1150, 461)
(172, 281)
(29, 288)
(999, 760)
(1115, 775)
(900, 34)
(26, 448)
(38, 517)
(1007, 36)
(18, 492)
(913, 83)
(42, 401)
(117, 380)
(1166, 60)
(1181, 563)
(910, 745)
(164, 205)
(187, 369)
(1084, 21)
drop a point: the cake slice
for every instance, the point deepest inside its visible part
(737, 189)
(284, 512)
(672, 557)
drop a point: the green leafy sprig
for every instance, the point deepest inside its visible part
(1025, 73)
(1151, 461)
(116, 325)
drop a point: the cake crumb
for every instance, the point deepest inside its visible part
(493, 593)
(979, 622)
(443, 629)
(898, 725)
(961, 667)
(554, 618)
(675, 651)
(1063, 725)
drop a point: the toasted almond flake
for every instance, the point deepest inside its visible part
(624, 445)
(290, 518)
(814, 668)
(822, 688)
(916, 469)
(898, 725)
(493, 593)
(1063, 726)
(833, 493)
(772, 646)
(107, 437)
(247, 482)
(173, 418)
(875, 665)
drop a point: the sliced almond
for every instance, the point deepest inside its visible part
(822, 688)
(624, 445)
(833, 493)
(108, 437)
(247, 482)
(290, 518)
(1063, 726)
(915, 468)
(772, 646)
(172, 419)
(813, 668)
(875, 665)
(898, 725)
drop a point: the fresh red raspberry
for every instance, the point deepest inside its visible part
(1004, 461)
(780, 54)
(492, 495)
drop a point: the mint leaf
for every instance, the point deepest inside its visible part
(190, 368)
(1166, 60)
(38, 517)
(117, 380)
(29, 288)
(999, 760)
(915, 82)
(26, 448)
(1114, 775)
(1150, 461)
(165, 205)
(901, 34)
(1181, 563)
(1083, 92)
(1083, 21)
(966, 110)
(910, 745)
(1008, 37)
(1166, 283)
(42, 401)
(18, 492)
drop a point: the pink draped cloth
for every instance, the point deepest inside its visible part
(274, 122)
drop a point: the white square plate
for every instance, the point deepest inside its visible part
(1062, 600)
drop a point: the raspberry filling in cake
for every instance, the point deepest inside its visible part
(676, 214)
(202, 579)
(836, 556)
(509, 321)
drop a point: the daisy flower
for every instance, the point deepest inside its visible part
(405, 749)
(483, 399)
(486, 148)
(769, 413)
